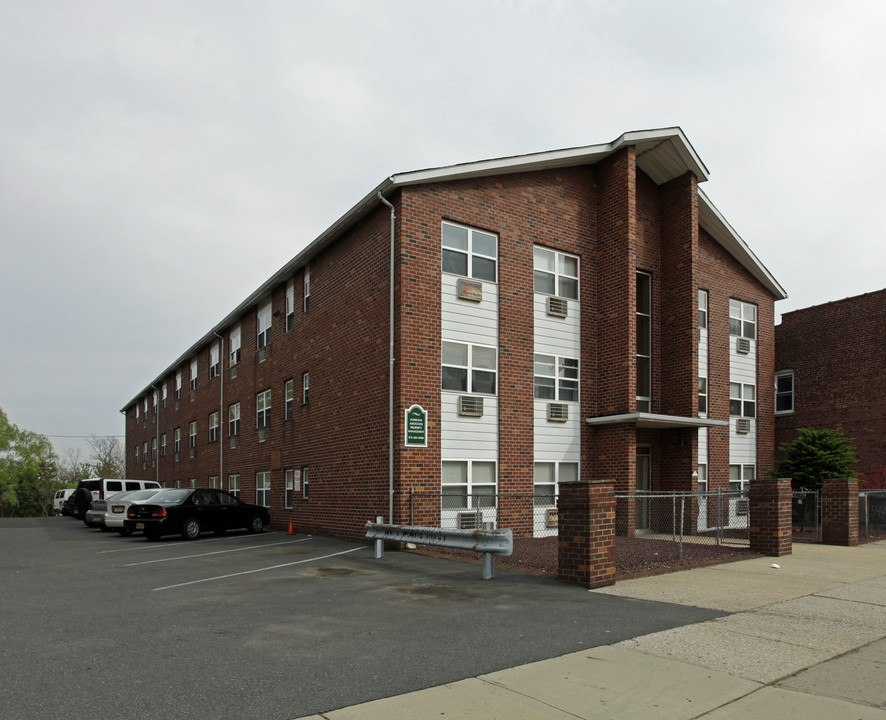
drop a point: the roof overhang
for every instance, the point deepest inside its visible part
(656, 422)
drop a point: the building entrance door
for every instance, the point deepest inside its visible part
(644, 486)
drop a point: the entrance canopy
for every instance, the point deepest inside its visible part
(656, 422)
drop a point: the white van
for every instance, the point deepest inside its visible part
(99, 489)
(58, 502)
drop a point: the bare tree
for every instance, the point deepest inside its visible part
(107, 456)
(72, 468)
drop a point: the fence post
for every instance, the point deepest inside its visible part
(769, 507)
(586, 533)
(839, 512)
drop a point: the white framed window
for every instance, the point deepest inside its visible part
(146, 407)
(234, 346)
(136, 454)
(469, 368)
(192, 482)
(305, 387)
(136, 413)
(145, 451)
(784, 392)
(163, 445)
(234, 420)
(165, 393)
(304, 482)
(740, 476)
(192, 434)
(178, 384)
(644, 342)
(214, 362)
(556, 378)
(742, 400)
(155, 397)
(742, 319)
(703, 478)
(290, 305)
(290, 488)
(234, 485)
(468, 484)
(213, 427)
(702, 396)
(306, 288)
(469, 253)
(702, 309)
(153, 448)
(193, 376)
(264, 326)
(288, 390)
(214, 483)
(263, 489)
(548, 476)
(263, 409)
(556, 273)
(177, 440)
(177, 484)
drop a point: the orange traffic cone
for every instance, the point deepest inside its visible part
(290, 527)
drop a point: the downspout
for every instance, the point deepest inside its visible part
(221, 407)
(157, 436)
(391, 373)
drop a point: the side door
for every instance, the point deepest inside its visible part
(206, 508)
(231, 510)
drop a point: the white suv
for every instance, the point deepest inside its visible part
(99, 489)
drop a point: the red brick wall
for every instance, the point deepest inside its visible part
(586, 538)
(836, 351)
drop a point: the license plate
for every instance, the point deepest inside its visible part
(117, 509)
(139, 526)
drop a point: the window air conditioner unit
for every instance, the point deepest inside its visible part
(558, 307)
(558, 412)
(469, 521)
(742, 345)
(261, 435)
(743, 425)
(470, 405)
(193, 452)
(175, 457)
(262, 354)
(234, 441)
(470, 290)
(741, 506)
(552, 518)
(234, 371)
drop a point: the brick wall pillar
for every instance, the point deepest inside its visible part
(770, 516)
(839, 512)
(586, 533)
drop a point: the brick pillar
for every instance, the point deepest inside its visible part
(770, 516)
(586, 533)
(839, 512)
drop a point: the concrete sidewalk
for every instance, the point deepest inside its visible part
(806, 640)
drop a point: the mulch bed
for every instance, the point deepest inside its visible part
(634, 557)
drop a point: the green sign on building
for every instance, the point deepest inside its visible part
(416, 427)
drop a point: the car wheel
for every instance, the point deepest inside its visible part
(191, 529)
(255, 524)
(123, 532)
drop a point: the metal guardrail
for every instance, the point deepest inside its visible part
(487, 541)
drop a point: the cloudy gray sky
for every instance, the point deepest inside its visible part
(158, 161)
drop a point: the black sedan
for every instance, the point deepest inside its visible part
(188, 512)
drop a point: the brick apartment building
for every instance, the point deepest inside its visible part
(831, 362)
(575, 314)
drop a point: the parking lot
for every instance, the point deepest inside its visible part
(267, 626)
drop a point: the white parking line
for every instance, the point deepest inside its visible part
(258, 570)
(214, 552)
(161, 545)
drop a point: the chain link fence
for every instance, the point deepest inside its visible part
(806, 516)
(872, 515)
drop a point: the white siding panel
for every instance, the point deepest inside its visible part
(556, 441)
(467, 321)
(703, 352)
(557, 336)
(468, 438)
(742, 446)
(702, 446)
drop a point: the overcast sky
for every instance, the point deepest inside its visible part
(159, 161)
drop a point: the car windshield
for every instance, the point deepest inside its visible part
(132, 495)
(171, 496)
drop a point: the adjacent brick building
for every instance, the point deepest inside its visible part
(831, 362)
(582, 314)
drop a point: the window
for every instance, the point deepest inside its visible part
(307, 287)
(192, 434)
(178, 385)
(136, 414)
(290, 305)
(146, 408)
(163, 445)
(234, 340)
(702, 309)
(263, 409)
(264, 326)
(213, 427)
(469, 368)
(304, 482)
(556, 378)
(703, 478)
(214, 362)
(555, 273)
(192, 482)
(287, 397)
(263, 489)
(177, 440)
(468, 484)
(548, 476)
(193, 385)
(153, 448)
(469, 253)
(644, 342)
(234, 420)
(702, 395)
(305, 386)
(742, 319)
(784, 391)
(234, 485)
(742, 400)
(178, 483)
(156, 395)
(136, 454)
(213, 482)
(145, 451)
(740, 476)
(290, 488)
(165, 393)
